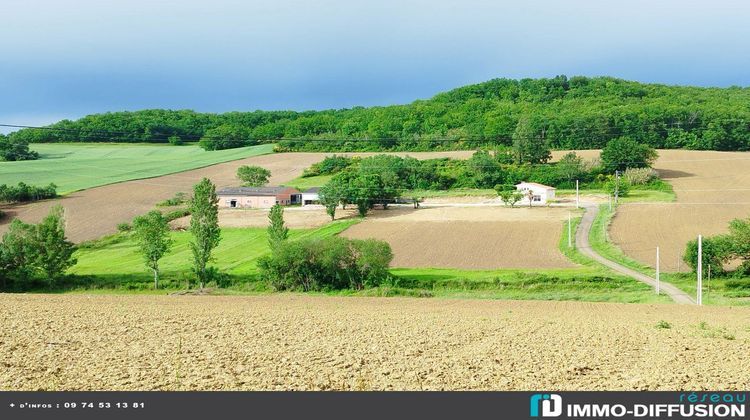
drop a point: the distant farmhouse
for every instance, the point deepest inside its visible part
(311, 196)
(540, 193)
(258, 197)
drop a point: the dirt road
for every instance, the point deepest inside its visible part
(582, 243)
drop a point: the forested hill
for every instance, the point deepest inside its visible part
(575, 113)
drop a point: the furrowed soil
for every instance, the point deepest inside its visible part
(96, 212)
(295, 342)
(712, 188)
(482, 237)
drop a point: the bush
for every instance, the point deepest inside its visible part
(22, 193)
(621, 186)
(178, 199)
(327, 264)
(328, 166)
(124, 227)
(175, 141)
(639, 176)
(176, 214)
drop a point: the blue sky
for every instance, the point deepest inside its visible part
(66, 59)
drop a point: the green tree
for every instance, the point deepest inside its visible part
(204, 225)
(717, 251)
(484, 170)
(17, 254)
(253, 176)
(623, 152)
(54, 253)
(151, 232)
(570, 167)
(277, 232)
(530, 143)
(12, 148)
(331, 194)
(510, 198)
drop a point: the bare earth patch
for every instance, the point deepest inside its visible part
(294, 342)
(294, 217)
(712, 189)
(468, 237)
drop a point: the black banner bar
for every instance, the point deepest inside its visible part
(372, 405)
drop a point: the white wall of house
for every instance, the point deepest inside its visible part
(542, 194)
(308, 198)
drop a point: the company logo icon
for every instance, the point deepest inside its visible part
(551, 405)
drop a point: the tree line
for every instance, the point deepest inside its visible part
(562, 112)
(382, 179)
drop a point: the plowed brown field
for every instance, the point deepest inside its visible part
(281, 342)
(712, 189)
(480, 237)
(96, 212)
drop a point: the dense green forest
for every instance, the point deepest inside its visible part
(568, 113)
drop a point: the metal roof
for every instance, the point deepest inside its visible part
(536, 184)
(252, 191)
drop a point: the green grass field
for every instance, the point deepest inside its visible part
(76, 167)
(115, 261)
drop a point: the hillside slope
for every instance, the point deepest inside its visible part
(575, 113)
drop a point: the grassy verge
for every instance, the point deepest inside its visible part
(717, 291)
(658, 192)
(580, 284)
(599, 241)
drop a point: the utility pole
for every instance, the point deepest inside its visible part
(708, 286)
(658, 271)
(699, 294)
(578, 200)
(617, 186)
(570, 233)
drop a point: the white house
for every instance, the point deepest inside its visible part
(311, 196)
(540, 194)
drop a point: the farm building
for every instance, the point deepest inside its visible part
(257, 197)
(540, 193)
(311, 196)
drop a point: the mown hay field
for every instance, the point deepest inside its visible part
(480, 237)
(712, 188)
(295, 342)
